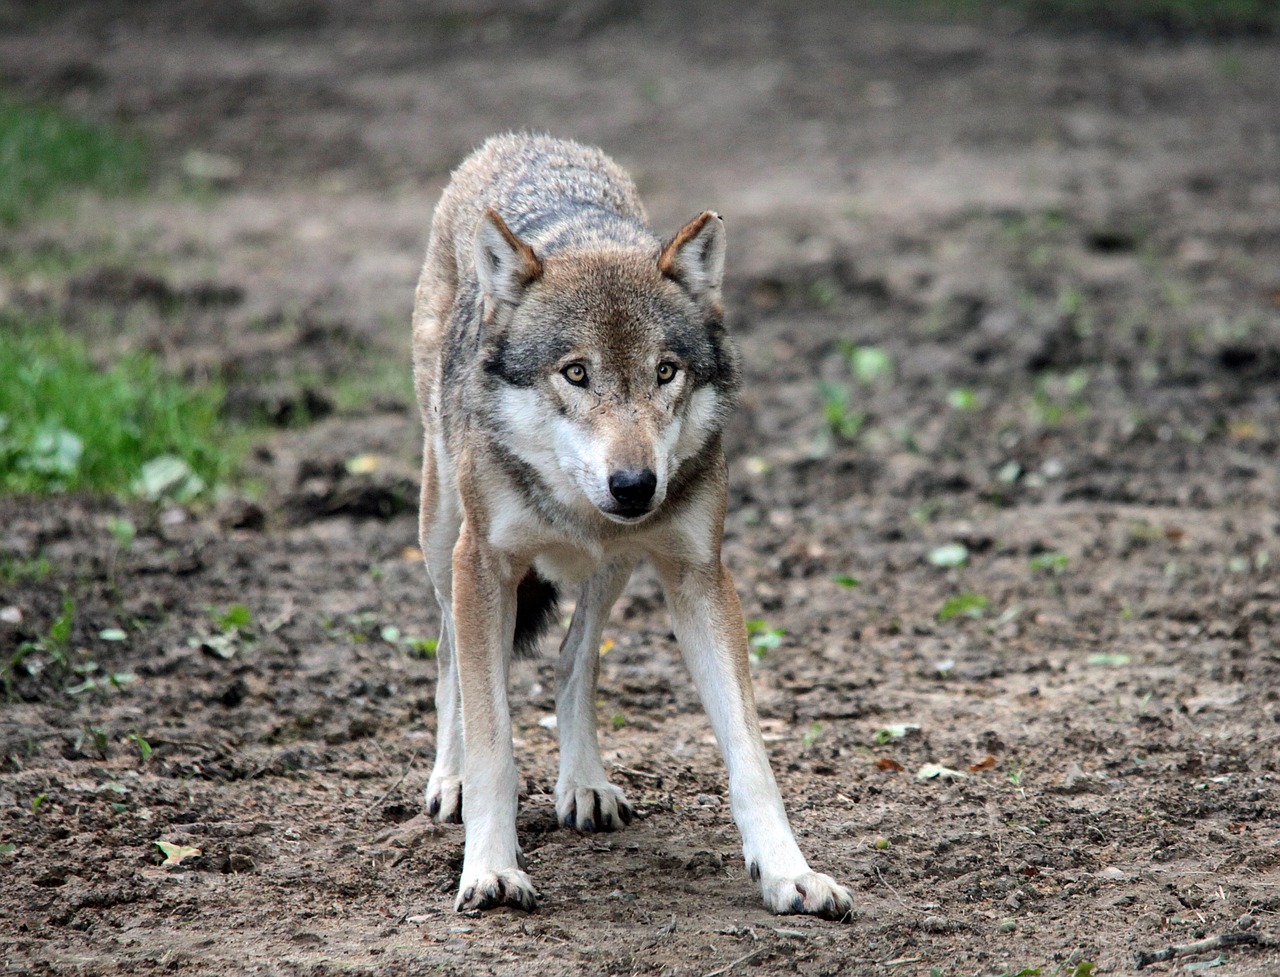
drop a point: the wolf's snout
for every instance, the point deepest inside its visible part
(633, 490)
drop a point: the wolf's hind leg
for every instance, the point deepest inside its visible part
(585, 800)
(437, 531)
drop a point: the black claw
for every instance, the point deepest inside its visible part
(568, 819)
(455, 817)
(588, 827)
(599, 818)
(754, 871)
(608, 822)
(434, 807)
(797, 905)
(468, 895)
(625, 812)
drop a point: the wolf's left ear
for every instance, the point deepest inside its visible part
(695, 258)
(505, 265)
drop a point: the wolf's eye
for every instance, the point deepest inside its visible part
(666, 372)
(576, 374)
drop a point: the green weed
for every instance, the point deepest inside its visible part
(844, 422)
(15, 570)
(66, 424)
(44, 153)
(968, 605)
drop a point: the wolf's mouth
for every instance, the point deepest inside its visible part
(628, 514)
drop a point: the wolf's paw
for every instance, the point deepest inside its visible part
(593, 807)
(812, 893)
(444, 799)
(509, 887)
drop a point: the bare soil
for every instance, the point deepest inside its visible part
(1077, 233)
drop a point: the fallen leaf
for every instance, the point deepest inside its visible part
(606, 646)
(889, 764)
(174, 854)
(985, 764)
(411, 553)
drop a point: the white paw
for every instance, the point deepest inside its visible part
(444, 799)
(593, 807)
(812, 893)
(509, 887)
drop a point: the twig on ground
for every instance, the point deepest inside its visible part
(912, 909)
(637, 773)
(390, 790)
(733, 963)
(1200, 946)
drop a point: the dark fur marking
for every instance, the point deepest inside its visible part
(537, 602)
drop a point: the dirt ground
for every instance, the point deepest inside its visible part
(1068, 244)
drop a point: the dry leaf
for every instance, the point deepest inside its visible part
(889, 764)
(174, 854)
(981, 765)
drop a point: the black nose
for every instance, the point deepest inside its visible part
(633, 490)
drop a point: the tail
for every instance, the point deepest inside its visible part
(537, 601)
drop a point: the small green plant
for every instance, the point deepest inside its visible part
(44, 153)
(962, 398)
(846, 581)
(416, 647)
(1051, 563)
(888, 734)
(95, 737)
(843, 421)
(1058, 398)
(811, 735)
(124, 531)
(144, 748)
(15, 570)
(237, 617)
(868, 364)
(967, 605)
(67, 424)
(762, 639)
(618, 720)
(49, 656)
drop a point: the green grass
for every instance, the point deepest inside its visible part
(45, 152)
(65, 424)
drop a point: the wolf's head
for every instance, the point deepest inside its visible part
(607, 367)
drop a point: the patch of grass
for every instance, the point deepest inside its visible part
(65, 424)
(45, 152)
(15, 570)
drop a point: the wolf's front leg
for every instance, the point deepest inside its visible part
(484, 601)
(585, 800)
(708, 623)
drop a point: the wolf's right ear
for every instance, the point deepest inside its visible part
(695, 258)
(505, 265)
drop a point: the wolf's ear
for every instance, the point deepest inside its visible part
(505, 265)
(695, 257)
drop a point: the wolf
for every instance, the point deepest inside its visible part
(574, 377)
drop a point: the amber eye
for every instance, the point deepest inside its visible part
(666, 372)
(576, 374)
